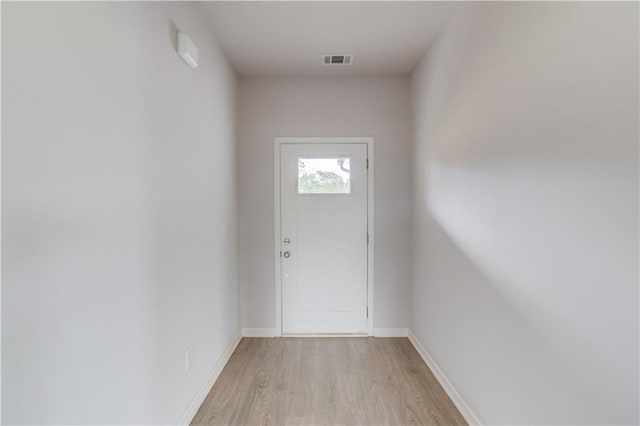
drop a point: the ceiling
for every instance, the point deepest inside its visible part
(289, 38)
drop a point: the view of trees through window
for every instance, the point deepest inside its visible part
(324, 176)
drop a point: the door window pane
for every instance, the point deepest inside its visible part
(324, 175)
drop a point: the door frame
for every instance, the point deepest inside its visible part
(282, 140)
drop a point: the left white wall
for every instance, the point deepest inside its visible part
(119, 208)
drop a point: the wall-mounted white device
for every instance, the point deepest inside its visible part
(187, 50)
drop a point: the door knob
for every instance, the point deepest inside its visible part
(286, 254)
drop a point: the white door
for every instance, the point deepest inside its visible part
(323, 190)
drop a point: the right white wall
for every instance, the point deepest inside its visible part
(525, 287)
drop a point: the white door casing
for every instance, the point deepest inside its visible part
(323, 276)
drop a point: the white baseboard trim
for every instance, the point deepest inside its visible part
(195, 404)
(258, 332)
(456, 398)
(391, 332)
(377, 332)
(296, 335)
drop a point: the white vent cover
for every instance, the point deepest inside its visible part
(337, 59)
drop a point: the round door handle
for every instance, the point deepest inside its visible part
(286, 254)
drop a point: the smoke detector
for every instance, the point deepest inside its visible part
(337, 59)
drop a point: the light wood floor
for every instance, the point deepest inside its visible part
(327, 381)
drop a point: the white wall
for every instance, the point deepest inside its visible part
(118, 212)
(324, 106)
(526, 210)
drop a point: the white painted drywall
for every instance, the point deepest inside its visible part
(324, 106)
(118, 212)
(290, 37)
(526, 210)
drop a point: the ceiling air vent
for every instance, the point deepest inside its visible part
(337, 59)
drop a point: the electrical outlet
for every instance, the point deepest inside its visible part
(188, 360)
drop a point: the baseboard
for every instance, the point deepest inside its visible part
(391, 332)
(296, 335)
(377, 332)
(195, 404)
(258, 332)
(456, 398)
